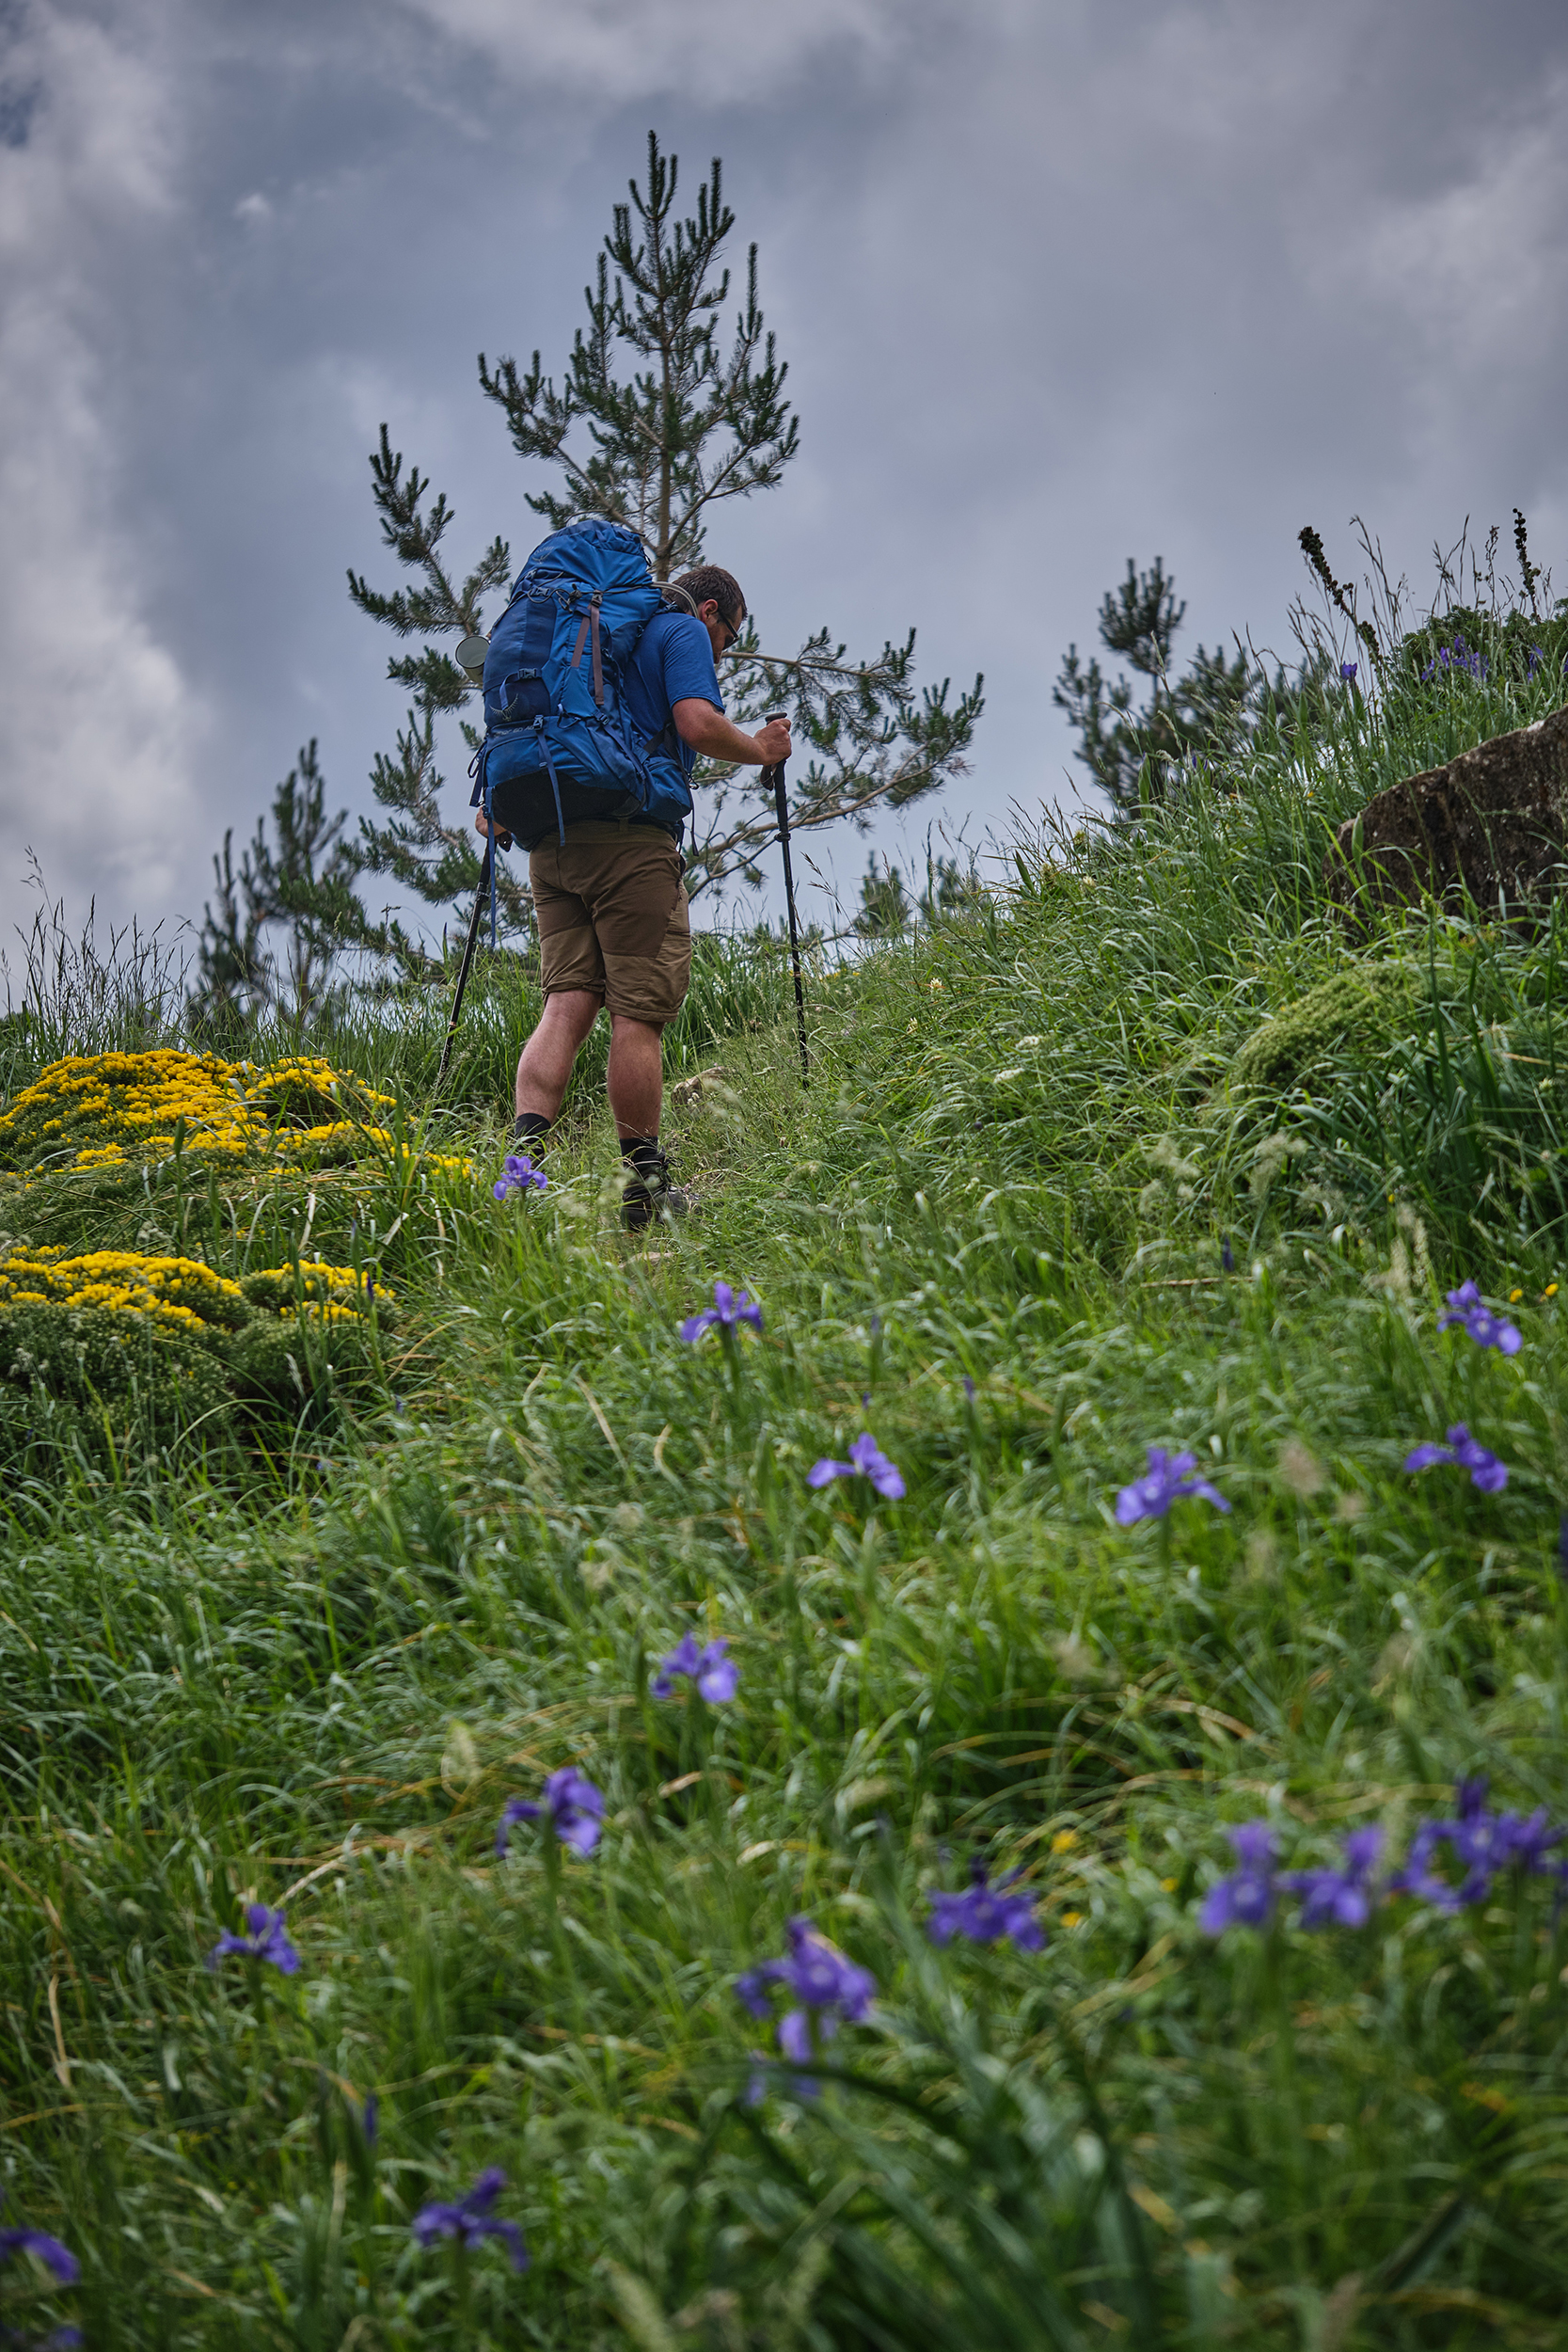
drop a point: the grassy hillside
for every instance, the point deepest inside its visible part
(1059, 1193)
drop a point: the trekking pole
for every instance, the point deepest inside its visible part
(780, 802)
(473, 940)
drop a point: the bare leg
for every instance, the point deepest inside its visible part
(636, 1075)
(547, 1058)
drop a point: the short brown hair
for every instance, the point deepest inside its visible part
(710, 580)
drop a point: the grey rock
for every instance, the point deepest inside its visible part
(1493, 824)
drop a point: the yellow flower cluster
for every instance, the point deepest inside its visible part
(304, 1084)
(108, 1110)
(178, 1292)
(333, 1138)
(181, 1292)
(327, 1294)
(104, 1103)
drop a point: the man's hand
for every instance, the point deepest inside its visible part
(481, 824)
(709, 731)
(773, 742)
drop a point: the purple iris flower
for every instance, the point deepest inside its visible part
(1466, 1306)
(867, 1460)
(1457, 657)
(985, 1914)
(729, 1307)
(266, 1941)
(1347, 672)
(518, 1173)
(1340, 1898)
(1417, 1877)
(67, 2269)
(370, 2119)
(795, 2033)
(1485, 1470)
(573, 1806)
(53, 2256)
(1246, 1899)
(1227, 1257)
(1536, 658)
(716, 1677)
(472, 2218)
(1168, 1477)
(1529, 1837)
(1482, 1843)
(821, 1979)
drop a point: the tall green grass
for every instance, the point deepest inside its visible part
(994, 1233)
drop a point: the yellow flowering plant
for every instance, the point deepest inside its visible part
(314, 1288)
(99, 1343)
(305, 1097)
(181, 1294)
(86, 1379)
(100, 1109)
(111, 1110)
(98, 1347)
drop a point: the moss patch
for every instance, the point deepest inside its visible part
(1363, 1007)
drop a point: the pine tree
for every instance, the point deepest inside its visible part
(305, 886)
(1136, 755)
(949, 888)
(884, 908)
(232, 981)
(651, 460)
(657, 421)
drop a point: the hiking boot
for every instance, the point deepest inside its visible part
(649, 1195)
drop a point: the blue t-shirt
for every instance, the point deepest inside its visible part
(673, 664)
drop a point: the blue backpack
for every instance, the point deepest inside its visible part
(555, 710)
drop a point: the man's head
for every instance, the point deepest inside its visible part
(719, 604)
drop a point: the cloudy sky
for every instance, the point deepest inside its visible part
(1058, 282)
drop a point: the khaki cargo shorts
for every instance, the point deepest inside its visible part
(612, 919)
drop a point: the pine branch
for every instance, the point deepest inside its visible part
(435, 860)
(434, 679)
(1140, 620)
(414, 538)
(884, 758)
(234, 977)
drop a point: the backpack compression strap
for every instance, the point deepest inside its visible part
(590, 625)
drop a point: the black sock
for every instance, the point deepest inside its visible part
(529, 1128)
(644, 1156)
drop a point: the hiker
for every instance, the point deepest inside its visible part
(607, 897)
